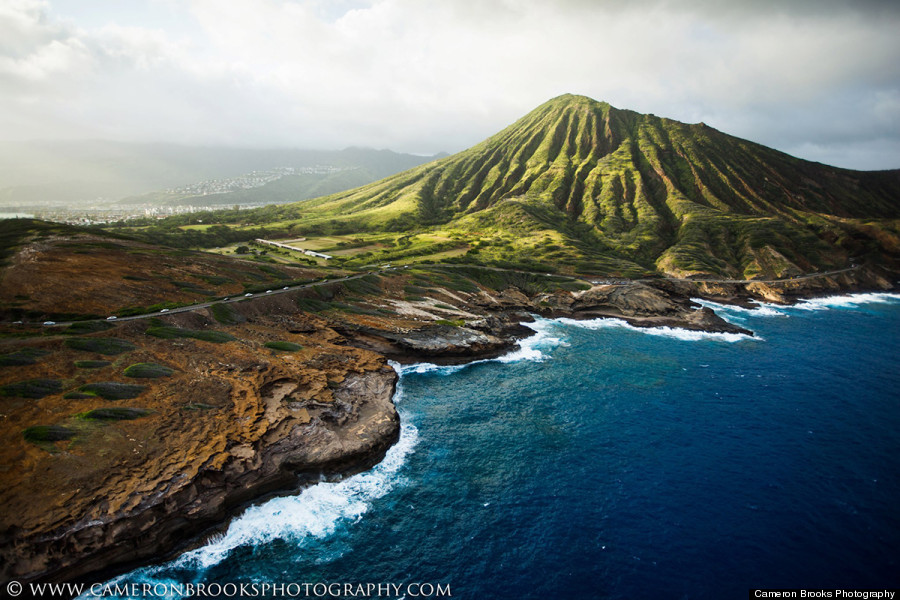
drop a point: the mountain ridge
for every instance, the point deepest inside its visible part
(628, 193)
(98, 171)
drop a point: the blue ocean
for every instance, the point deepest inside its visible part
(604, 461)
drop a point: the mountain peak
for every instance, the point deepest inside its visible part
(569, 103)
(565, 100)
(611, 190)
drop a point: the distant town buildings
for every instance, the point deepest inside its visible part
(251, 180)
(97, 215)
(106, 210)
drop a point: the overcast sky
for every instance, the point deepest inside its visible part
(819, 79)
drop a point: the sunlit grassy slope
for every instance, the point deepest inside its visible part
(578, 185)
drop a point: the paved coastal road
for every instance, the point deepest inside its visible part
(247, 297)
(229, 300)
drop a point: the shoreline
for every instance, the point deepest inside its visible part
(497, 333)
(403, 369)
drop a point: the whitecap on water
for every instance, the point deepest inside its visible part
(422, 368)
(670, 332)
(530, 348)
(846, 301)
(825, 303)
(762, 309)
(767, 309)
(315, 512)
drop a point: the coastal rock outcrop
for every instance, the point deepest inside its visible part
(256, 396)
(646, 306)
(130, 491)
(444, 343)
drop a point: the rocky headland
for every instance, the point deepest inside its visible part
(128, 479)
(107, 465)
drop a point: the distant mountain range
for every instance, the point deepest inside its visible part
(82, 173)
(580, 184)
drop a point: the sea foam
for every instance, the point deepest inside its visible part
(315, 512)
(762, 309)
(783, 310)
(529, 349)
(670, 332)
(846, 301)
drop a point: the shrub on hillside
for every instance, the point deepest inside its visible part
(168, 332)
(106, 346)
(31, 388)
(116, 414)
(283, 346)
(111, 390)
(47, 433)
(148, 371)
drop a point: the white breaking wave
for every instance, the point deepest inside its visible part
(847, 301)
(670, 332)
(783, 310)
(422, 368)
(315, 512)
(529, 349)
(763, 309)
(767, 309)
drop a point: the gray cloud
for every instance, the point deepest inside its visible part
(820, 79)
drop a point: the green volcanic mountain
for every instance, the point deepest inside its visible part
(578, 185)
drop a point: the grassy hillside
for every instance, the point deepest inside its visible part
(580, 186)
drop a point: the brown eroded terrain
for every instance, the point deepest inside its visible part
(233, 421)
(104, 468)
(241, 399)
(92, 275)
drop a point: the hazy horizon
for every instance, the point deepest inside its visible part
(816, 79)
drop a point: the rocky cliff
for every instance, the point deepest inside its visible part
(124, 441)
(228, 426)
